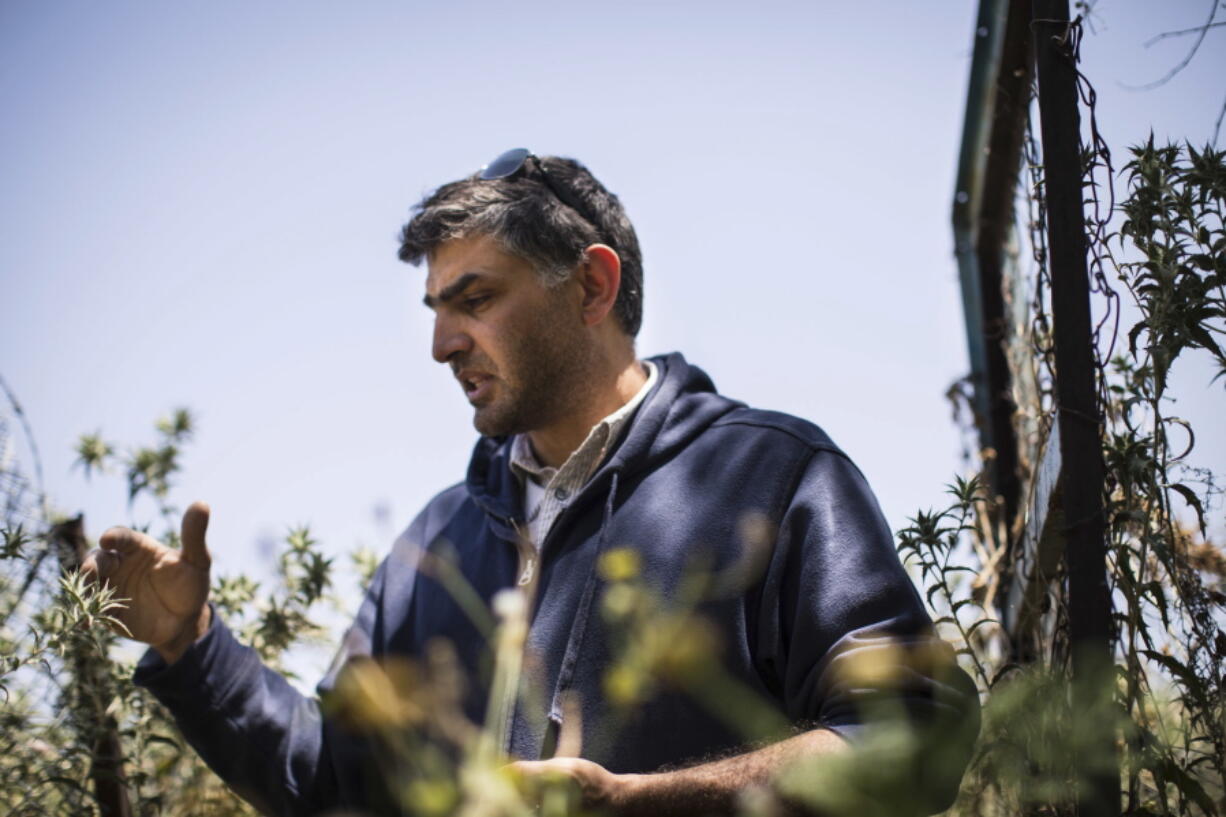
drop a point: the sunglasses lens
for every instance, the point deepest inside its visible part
(506, 164)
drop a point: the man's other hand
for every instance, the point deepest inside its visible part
(596, 786)
(167, 589)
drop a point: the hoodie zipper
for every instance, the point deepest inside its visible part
(529, 558)
(529, 562)
(527, 581)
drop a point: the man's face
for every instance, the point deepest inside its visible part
(518, 350)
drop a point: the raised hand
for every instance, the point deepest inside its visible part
(167, 589)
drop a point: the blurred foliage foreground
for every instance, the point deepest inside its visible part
(77, 738)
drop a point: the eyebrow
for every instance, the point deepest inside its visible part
(451, 290)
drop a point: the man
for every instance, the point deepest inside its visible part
(535, 281)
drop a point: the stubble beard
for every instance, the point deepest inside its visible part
(546, 374)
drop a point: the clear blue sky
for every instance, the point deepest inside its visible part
(200, 202)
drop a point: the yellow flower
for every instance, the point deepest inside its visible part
(624, 685)
(619, 564)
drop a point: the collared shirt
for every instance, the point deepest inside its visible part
(547, 491)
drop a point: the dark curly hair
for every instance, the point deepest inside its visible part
(527, 219)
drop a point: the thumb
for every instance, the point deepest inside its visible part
(195, 523)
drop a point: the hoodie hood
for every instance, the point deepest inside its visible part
(681, 406)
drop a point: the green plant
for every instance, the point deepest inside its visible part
(78, 737)
(1169, 256)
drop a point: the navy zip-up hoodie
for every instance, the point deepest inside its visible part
(826, 597)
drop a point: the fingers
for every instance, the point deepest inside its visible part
(195, 523)
(99, 565)
(565, 778)
(554, 769)
(123, 540)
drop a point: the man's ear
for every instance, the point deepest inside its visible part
(600, 276)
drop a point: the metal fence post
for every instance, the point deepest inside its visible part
(1077, 405)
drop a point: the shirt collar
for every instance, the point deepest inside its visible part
(584, 460)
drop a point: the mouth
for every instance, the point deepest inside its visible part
(476, 385)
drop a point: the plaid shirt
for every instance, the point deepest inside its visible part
(548, 490)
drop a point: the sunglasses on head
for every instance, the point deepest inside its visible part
(512, 161)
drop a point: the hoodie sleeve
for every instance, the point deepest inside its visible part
(269, 742)
(847, 636)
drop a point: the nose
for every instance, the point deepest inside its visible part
(450, 339)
